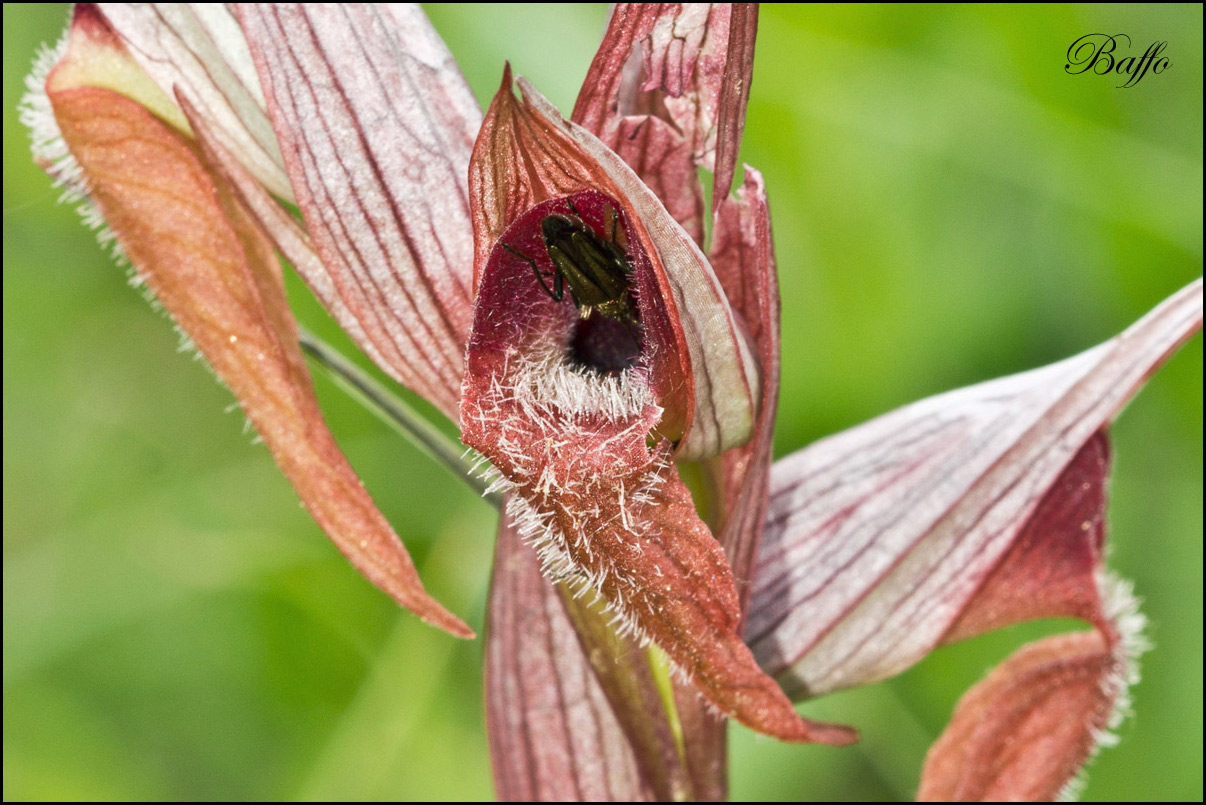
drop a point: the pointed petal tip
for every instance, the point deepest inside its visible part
(779, 720)
(829, 734)
(216, 273)
(757, 702)
(451, 624)
(409, 594)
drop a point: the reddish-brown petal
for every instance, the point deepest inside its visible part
(734, 92)
(1022, 734)
(1051, 568)
(632, 120)
(376, 126)
(621, 666)
(880, 539)
(743, 255)
(287, 233)
(606, 510)
(677, 104)
(217, 274)
(1026, 731)
(610, 90)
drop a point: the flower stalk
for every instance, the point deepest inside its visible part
(402, 418)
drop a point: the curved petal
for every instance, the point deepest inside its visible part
(879, 538)
(376, 127)
(1051, 568)
(208, 264)
(1024, 733)
(287, 233)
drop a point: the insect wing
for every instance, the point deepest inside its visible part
(596, 270)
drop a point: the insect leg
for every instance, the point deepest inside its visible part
(557, 292)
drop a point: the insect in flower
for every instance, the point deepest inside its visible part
(597, 271)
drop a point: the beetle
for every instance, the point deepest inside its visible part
(597, 271)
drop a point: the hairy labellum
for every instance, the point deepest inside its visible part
(563, 396)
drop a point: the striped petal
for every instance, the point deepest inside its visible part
(882, 542)
(376, 125)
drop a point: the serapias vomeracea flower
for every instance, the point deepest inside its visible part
(547, 283)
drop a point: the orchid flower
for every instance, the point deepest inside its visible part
(601, 326)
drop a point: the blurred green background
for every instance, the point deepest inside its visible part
(949, 206)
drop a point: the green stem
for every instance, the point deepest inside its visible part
(393, 411)
(659, 666)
